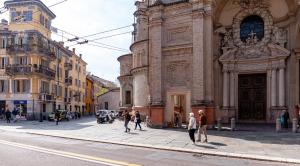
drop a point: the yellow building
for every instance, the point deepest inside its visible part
(36, 73)
(90, 107)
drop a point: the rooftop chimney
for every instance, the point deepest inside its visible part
(80, 55)
(74, 49)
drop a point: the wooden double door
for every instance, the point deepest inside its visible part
(252, 97)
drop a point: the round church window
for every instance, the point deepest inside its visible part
(252, 29)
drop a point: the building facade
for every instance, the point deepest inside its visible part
(110, 100)
(77, 89)
(90, 100)
(233, 58)
(34, 70)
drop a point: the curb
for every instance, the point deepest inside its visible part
(194, 151)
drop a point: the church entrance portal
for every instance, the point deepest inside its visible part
(252, 97)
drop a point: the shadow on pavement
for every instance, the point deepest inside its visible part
(50, 125)
(205, 146)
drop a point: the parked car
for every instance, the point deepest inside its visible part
(63, 116)
(104, 116)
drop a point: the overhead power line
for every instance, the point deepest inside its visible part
(111, 36)
(107, 31)
(98, 43)
(108, 48)
(57, 3)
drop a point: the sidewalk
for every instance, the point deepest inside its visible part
(250, 144)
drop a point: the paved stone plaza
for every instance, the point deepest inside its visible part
(246, 141)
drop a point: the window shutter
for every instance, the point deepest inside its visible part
(13, 86)
(16, 40)
(27, 86)
(6, 86)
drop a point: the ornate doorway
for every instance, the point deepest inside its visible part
(252, 97)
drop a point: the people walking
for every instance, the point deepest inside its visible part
(202, 126)
(298, 127)
(192, 127)
(127, 119)
(137, 120)
(8, 115)
(14, 115)
(284, 119)
(57, 116)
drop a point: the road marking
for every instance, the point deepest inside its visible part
(82, 157)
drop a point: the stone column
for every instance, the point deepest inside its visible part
(155, 52)
(281, 91)
(232, 94)
(198, 57)
(225, 89)
(273, 88)
(208, 52)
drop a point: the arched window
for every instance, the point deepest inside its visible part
(252, 26)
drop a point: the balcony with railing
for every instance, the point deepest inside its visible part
(14, 70)
(68, 66)
(68, 81)
(46, 97)
(32, 48)
(18, 48)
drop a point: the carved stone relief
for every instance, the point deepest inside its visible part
(178, 35)
(279, 36)
(177, 73)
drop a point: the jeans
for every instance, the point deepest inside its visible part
(126, 126)
(137, 124)
(192, 134)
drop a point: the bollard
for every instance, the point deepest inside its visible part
(294, 125)
(278, 125)
(219, 124)
(232, 124)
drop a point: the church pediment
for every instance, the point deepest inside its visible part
(270, 51)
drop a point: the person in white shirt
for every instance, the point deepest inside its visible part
(192, 127)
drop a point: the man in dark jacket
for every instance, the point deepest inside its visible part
(8, 115)
(127, 119)
(57, 116)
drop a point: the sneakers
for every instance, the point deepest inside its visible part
(205, 140)
(198, 140)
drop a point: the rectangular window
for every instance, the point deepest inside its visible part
(45, 63)
(13, 16)
(1, 86)
(128, 97)
(46, 23)
(16, 84)
(45, 87)
(42, 19)
(27, 16)
(106, 105)
(4, 86)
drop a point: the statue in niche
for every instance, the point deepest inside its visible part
(228, 40)
(279, 36)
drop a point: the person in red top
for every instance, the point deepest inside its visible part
(202, 126)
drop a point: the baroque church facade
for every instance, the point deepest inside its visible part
(233, 58)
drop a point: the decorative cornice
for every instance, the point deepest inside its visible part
(139, 70)
(13, 3)
(122, 56)
(136, 43)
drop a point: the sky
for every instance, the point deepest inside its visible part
(85, 17)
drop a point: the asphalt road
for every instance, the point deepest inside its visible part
(33, 150)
